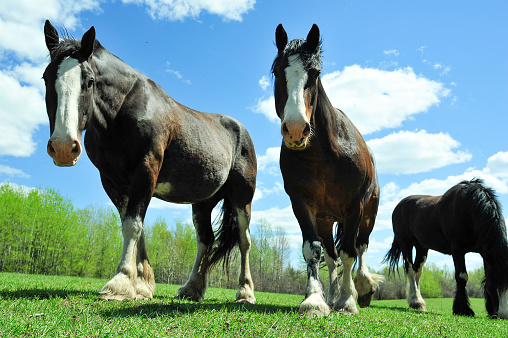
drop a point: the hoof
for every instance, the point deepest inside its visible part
(245, 295)
(418, 306)
(314, 305)
(346, 305)
(122, 288)
(189, 293)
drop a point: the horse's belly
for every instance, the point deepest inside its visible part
(189, 189)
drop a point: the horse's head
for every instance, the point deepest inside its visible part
(70, 84)
(296, 69)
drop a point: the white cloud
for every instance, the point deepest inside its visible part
(156, 203)
(270, 157)
(497, 165)
(266, 106)
(264, 82)
(182, 9)
(22, 110)
(393, 52)
(376, 99)
(283, 218)
(12, 172)
(410, 152)
(21, 23)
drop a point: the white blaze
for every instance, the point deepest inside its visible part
(68, 89)
(296, 77)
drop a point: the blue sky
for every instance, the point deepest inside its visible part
(425, 82)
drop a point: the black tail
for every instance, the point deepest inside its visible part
(491, 231)
(392, 257)
(227, 236)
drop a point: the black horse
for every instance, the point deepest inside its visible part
(467, 218)
(146, 144)
(329, 174)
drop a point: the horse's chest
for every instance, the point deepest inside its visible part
(324, 187)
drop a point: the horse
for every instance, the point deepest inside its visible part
(466, 218)
(329, 174)
(145, 144)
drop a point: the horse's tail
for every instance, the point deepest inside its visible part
(491, 232)
(392, 257)
(227, 235)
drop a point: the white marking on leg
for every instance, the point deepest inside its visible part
(314, 303)
(245, 293)
(296, 77)
(333, 291)
(503, 306)
(347, 299)
(68, 89)
(131, 230)
(414, 297)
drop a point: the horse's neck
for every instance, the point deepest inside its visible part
(325, 121)
(333, 129)
(115, 80)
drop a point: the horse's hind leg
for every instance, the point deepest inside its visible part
(366, 282)
(346, 302)
(325, 231)
(245, 293)
(461, 302)
(414, 272)
(195, 287)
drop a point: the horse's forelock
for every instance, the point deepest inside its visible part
(299, 46)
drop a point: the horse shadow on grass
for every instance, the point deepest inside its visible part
(405, 310)
(40, 294)
(175, 308)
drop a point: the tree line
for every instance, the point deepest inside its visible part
(42, 233)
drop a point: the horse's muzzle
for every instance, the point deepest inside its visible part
(65, 153)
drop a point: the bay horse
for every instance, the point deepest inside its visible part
(466, 218)
(146, 144)
(329, 174)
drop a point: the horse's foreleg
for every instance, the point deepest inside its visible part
(461, 302)
(134, 276)
(195, 287)
(314, 302)
(245, 293)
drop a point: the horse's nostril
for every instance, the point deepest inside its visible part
(76, 147)
(306, 130)
(285, 128)
(50, 147)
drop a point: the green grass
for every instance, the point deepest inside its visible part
(55, 306)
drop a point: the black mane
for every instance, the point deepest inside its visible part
(69, 46)
(299, 46)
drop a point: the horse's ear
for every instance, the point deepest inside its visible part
(87, 42)
(313, 39)
(51, 36)
(281, 38)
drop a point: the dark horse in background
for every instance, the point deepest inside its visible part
(467, 218)
(145, 144)
(329, 174)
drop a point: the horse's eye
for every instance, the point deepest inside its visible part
(90, 82)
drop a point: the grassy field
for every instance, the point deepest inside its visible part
(50, 306)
